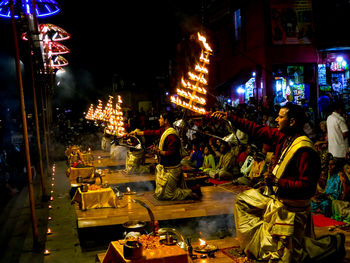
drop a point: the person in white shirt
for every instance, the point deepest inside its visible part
(337, 134)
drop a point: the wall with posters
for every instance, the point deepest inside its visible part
(291, 21)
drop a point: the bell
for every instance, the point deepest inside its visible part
(231, 138)
(180, 123)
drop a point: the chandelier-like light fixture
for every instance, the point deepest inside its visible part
(190, 95)
(43, 7)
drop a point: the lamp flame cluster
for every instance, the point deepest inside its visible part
(111, 116)
(190, 95)
(50, 35)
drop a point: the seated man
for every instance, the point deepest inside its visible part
(275, 225)
(170, 184)
(223, 170)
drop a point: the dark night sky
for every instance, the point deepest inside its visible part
(135, 39)
(131, 37)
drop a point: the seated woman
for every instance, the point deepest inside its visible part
(322, 202)
(208, 161)
(341, 208)
(194, 161)
(321, 144)
(255, 173)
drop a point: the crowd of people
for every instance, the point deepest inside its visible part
(293, 165)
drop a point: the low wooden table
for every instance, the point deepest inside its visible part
(101, 198)
(220, 257)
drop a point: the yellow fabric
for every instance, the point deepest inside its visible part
(165, 134)
(85, 172)
(288, 153)
(263, 224)
(103, 197)
(170, 183)
(300, 142)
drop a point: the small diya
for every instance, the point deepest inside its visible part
(168, 240)
(129, 192)
(205, 248)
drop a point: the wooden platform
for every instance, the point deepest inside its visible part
(215, 201)
(107, 162)
(121, 177)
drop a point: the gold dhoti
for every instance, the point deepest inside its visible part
(272, 229)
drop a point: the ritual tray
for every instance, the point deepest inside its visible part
(165, 254)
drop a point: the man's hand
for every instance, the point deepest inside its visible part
(270, 179)
(156, 150)
(219, 115)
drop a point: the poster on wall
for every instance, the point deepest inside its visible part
(291, 22)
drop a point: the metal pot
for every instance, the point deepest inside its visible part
(135, 226)
(79, 179)
(84, 188)
(132, 249)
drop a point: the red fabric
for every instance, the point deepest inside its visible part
(171, 148)
(321, 221)
(213, 181)
(300, 177)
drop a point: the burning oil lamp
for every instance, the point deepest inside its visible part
(206, 249)
(51, 198)
(49, 218)
(46, 252)
(50, 206)
(49, 232)
(129, 192)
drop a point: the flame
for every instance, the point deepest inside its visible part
(187, 105)
(190, 96)
(128, 189)
(204, 41)
(196, 77)
(204, 59)
(202, 242)
(201, 69)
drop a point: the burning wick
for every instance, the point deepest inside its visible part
(51, 191)
(51, 198)
(129, 192)
(46, 252)
(50, 206)
(49, 232)
(202, 243)
(53, 178)
(49, 218)
(89, 149)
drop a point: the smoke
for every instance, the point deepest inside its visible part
(73, 86)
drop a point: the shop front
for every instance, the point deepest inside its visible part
(333, 77)
(292, 83)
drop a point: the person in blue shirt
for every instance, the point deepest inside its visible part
(195, 160)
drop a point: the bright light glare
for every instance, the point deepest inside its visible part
(240, 90)
(339, 59)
